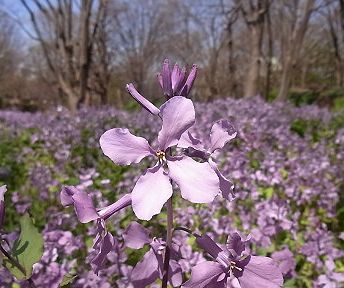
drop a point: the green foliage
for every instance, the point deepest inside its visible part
(27, 250)
(299, 126)
(255, 157)
(10, 147)
(273, 93)
(266, 192)
(338, 104)
(331, 96)
(313, 127)
(301, 97)
(67, 280)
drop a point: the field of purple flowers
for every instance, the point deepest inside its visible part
(287, 165)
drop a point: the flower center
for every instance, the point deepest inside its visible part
(233, 266)
(161, 156)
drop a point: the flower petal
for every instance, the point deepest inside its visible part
(235, 244)
(221, 132)
(166, 79)
(188, 140)
(178, 115)
(226, 186)
(150, 107)
(83, 204)
(104, 245)
(285, 260)
(177, 78)
(259, 272)
(185, 90)
(175, 274)
(136, 236)
(151, 192)
(124, 148)
(197, 182)
(121, 203)
(146, 271)
(208, 245)
(206, 274)
(66, 195)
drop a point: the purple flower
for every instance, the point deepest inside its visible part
(285, 260)
(151, 267)
(3, 189)
(221, 132)
(250, 271)
(86, 212)
(198, 182)
(175, 83)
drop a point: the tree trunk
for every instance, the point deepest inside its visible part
(270, 55)
(252, 82)
(84, 51)
(293, 51)
(254, 16)
(285, 79)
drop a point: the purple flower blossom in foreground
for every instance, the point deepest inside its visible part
(221, 133)
(2, 204)
(86, 212)
(151, 266)
(233, 266)
(198, 182)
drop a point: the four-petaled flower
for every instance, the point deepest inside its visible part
(198, 182)
(151, 266)
(233, 266)
(86, 212)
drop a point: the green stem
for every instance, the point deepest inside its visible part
(169, 233)
(180, 228)
(14, 262)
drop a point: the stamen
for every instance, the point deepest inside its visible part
(161, 156)
(233, 265)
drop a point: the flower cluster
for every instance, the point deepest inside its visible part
(287, 180)
(183, 160)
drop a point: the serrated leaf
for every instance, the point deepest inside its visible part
(27, 249)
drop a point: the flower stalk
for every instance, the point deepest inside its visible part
(169, 233)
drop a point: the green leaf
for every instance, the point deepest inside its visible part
(27, 250)
(266, 192)
(67, 280)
